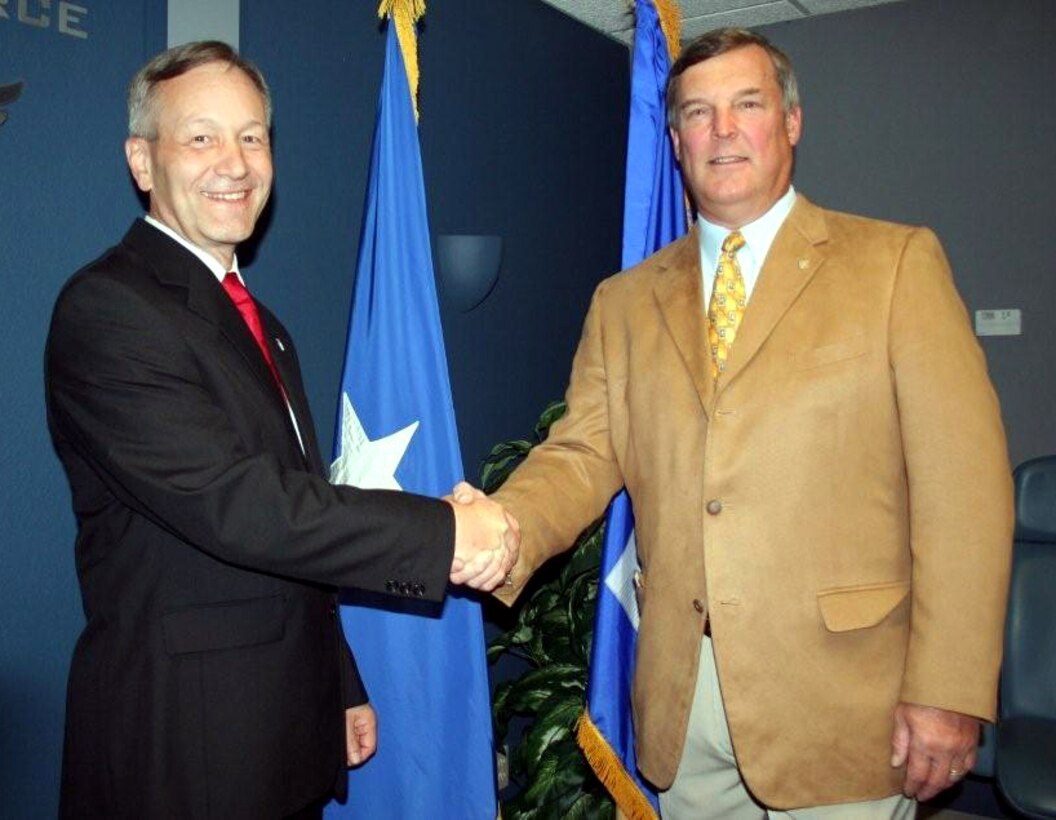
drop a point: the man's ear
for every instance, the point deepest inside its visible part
(137, 153)
(794, 125)
(674, 140)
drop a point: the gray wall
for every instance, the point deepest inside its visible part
(943, 113)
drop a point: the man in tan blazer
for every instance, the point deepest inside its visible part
(831, 511)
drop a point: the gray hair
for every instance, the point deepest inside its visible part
(143, 90)
(719, 41)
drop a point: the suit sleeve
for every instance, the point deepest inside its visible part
(127, 392)
(960, 489)
(353, 690)
(567, 481)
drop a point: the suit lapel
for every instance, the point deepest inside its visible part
(792, 262)
(281, 347)
(208, 300)
(176, 267)
(680, 296)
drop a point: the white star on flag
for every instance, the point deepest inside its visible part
(620, 580)
(369, 465)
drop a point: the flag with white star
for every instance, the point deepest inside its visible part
(425, 672)
(654, 215)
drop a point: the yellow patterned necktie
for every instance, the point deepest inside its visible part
(726, 308)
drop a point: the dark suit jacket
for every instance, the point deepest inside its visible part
(212, 674)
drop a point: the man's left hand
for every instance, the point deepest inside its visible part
(936, 746)
(361, 734)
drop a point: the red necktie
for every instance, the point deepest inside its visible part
(248, 308)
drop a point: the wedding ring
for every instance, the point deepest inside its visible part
(509, 579)
(954, 772)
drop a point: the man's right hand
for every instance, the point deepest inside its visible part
(487, 539)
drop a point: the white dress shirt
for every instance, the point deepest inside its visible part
(758, 237)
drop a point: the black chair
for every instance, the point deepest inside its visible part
(1025, 750)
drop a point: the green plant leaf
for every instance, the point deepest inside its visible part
(553, 411)
(500, 463)
(589, 805)
(556, 784)
(539, 687)
(518, 636)
(556, 725)
(552, 631)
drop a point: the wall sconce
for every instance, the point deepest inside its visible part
(468, 267)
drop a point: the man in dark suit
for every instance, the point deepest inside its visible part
(212, 678)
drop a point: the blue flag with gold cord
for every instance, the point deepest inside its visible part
(654, 215)
(425, 674)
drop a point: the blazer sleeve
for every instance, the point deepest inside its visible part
(126, 390)
(960, 488)
(353, 690)
(567, 481)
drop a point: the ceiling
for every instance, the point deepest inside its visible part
(615, 18)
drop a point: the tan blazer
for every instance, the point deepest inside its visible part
(840, 501)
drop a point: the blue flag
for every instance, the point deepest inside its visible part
(654, 215)
(426, 675)
(654, 209)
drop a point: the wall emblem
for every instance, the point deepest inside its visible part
(8, 94)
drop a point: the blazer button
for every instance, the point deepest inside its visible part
(698, 605)
(390, 586)
(418, 590)
(714, 507)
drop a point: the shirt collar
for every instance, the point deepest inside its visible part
(758, 235)
(210, 261)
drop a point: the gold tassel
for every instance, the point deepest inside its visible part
(670, 17)
(610, 771)
(671, 25)
(404, 14)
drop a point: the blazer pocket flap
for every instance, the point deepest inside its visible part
(838, 351)
(224, 625)
(859, 607)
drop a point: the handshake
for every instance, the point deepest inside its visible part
(487, 539)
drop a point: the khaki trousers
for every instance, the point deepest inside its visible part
(708, 784)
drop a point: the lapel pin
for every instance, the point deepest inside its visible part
(280, 345)
(804, 263)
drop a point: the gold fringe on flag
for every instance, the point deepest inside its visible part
(671, 25)
(610, 771)
(404, 14)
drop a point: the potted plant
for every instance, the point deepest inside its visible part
(550, 632)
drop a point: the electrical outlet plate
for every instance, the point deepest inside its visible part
(999, 322)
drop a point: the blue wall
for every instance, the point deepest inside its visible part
(523, 121)
(535, 153)
(64, 196)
